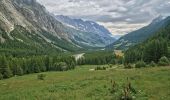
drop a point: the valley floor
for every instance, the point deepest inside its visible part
(85, 84)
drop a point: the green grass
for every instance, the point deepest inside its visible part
(82, 84)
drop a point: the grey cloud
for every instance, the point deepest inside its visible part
(114, 11)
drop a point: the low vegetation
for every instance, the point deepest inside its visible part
(141, 84)
(41, 76)
(100, 68)
(164, 61)
(124, 91)
(128, 66)
(140, 64)
(152, 64)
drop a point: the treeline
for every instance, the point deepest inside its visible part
(97, 58)
(151, 50)
(12, 66)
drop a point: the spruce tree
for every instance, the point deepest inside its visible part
(4, 68)
(1, 76)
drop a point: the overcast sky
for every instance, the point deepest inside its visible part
(119, 16)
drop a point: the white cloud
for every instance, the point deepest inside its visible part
(119, 16)
(122, 27)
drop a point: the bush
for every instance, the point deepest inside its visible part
(163, 61)
(128, 66)
(114, 87)
(100, 68)
(41, 76)
(140, 64)
(110, 65)
(152, 64)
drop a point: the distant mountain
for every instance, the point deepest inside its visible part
(117, 36)
(92, 32)
(140, 35)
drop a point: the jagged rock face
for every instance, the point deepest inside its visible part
(33, 17)
(38, 16)
(6, 22)
(94, 34)
(29, 14)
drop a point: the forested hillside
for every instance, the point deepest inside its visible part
(152, 49)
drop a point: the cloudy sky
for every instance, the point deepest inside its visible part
(119, 16)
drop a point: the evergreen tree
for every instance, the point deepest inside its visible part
(4, 68)
(47, 63)
(1, 76)
(20, 71)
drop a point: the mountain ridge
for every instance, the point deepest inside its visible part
(89, 27)
(139, 35)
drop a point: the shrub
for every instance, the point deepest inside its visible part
(100, 68)
(113, 87)
(140, 64)
(125, 95)
(163, 61)
(152, 64)
(104, 68)
(128, 66)
(110, 65)
(41, 76)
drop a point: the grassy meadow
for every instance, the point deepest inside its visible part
(85, 84)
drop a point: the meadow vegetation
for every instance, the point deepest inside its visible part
(81, 83)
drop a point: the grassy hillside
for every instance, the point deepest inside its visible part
(149, 83)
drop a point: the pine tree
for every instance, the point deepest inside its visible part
(19, 71)
(47, 63)
(1, 76)
(4, 68)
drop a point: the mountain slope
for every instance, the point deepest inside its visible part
(153, 48)
(31, 18)
(88, 31)
(140, 35)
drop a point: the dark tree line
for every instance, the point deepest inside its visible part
(11, 66)
(97, 58)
